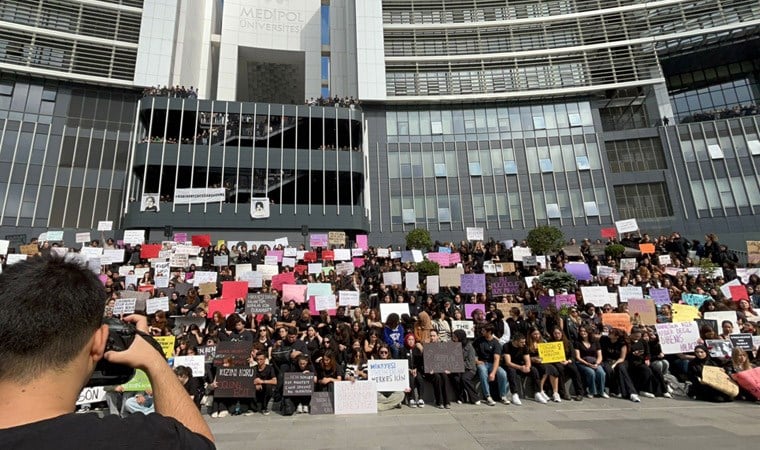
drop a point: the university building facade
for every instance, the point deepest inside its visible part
(496, 114)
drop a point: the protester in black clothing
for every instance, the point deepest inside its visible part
(614, 354)
(264, 381)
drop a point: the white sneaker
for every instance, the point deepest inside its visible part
(215, 414)
(490, 401)
(635, 398)
(516, 400)
(223, 414)
(248, 413)
(412, 403)
(546, 397)
(299, 410)
(478, 403)
(647, 394)
(667, 395)
(556, 398)
(505, 401)
(605, 395)
(540, 398)
(306, 409)
(421, 403)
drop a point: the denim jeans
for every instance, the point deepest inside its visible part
(501, 378)
(594, 378)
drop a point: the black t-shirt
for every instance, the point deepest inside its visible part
(485, 349)
(516, 354)
(266, 374)
(77, 431)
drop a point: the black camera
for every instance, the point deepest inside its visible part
(120, 337)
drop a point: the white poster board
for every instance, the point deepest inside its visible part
(387, 309)
(390, 375)
(358, 397)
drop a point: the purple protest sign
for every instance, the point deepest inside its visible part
(660, 296)
(358, 262)
(579, 270)
(545, 301)
(470, 307)
(505, 286)
(565, 299)
(473, 283)
(318, 240)
(180, 237)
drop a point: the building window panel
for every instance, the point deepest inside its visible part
(546, 165)
(475, 170)
(591, 209)
(715, 151)
(444, 215)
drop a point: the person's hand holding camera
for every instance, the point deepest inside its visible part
(140, 355)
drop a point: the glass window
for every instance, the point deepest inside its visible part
(715, 151)
(444, 215)
(440, 170)
(582, 163)
(575, 120)
(436, 127)
(539, 123)
(510, 167)
(475, 170)
(552, 211)
(409, 216)
(325, 13)
(591, 209)
(546, 165)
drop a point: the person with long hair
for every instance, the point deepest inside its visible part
(545, 371)
(393, 334)
(566, 368)
(328, 372)
(638, 358)
(588, 360)
(412, 351)
(699, 390)
(615, 354)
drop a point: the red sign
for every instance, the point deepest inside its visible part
(148, 251)
(609, 233)
(201, 240)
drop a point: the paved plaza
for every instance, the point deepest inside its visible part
(591, 424)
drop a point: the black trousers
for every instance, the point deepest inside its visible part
(438, 380)
(464, 384)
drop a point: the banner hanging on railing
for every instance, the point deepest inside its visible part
(198, 195)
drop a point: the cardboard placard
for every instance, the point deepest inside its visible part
(473, 283)
(298, 384)
(750, 381)
(348, 298)
(387, 309)
(450, 277)
(626, 226)
(645, 309)
(29, 249)
(596, 295)
(295, 292)
(167, 344)
(716, 378)
(355, 397)
(684, 313)
(505, 286)
(152, 305)
(440, 357)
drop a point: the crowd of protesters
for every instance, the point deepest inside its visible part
(725, 113)
(600, 360)
(342, 102)
(171, 91)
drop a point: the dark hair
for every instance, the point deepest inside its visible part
(63, 301)
(392, 321)
(183, 371)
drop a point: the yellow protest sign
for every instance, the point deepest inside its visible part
(684, 313)
(167, 344)
(138, 383)
(551, 352)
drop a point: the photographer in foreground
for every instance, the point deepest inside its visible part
(51, 338)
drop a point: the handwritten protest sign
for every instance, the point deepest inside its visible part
(196, 363)
(551, 352)
(124, 306)
(596, 295)
(412, 281)
(91, 395)
(167, 344)
(355, 397)
(232, 353)
(621, 321)
(628, 292)
(474, 234)
(390, 375)
(294, 292)
(716, 378)
(298, 384)
(348, 298)
(260, 303)
(661, 296)
(235, 382)
(626, 226)
(505, 286)
(678, 337)
(742, 341)
(579, 270)
(470, 308)
(474, 283)
(157, 304)
(695, 299)
(561, 300)
(440, 357)
(684, 313)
